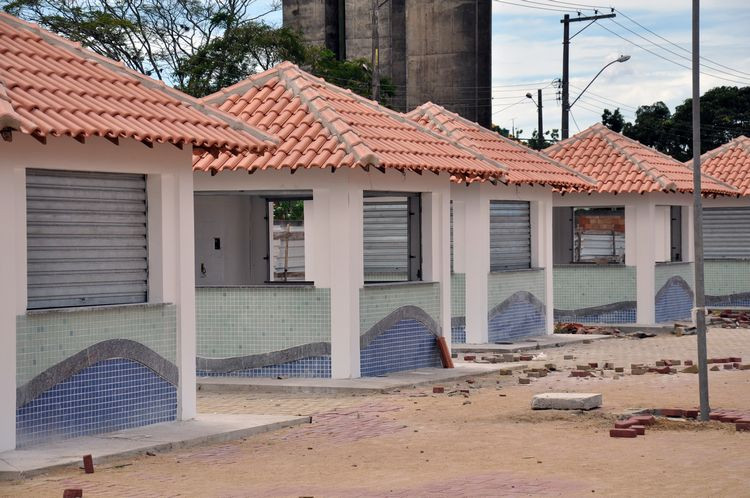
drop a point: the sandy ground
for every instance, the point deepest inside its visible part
(485, 443)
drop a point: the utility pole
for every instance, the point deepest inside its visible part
(540, 133)
(700, 290)
(375, 51)
(566, 20)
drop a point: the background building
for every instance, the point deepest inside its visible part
(432, 50)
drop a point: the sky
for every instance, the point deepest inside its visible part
(527, 55)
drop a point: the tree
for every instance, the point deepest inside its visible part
(613, 120)
(535, 143)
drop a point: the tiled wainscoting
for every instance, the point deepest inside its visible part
(595, 293)
(458, 308)
(399, 324)
(90, 370)
(728, 282)
(264, 331)
(516, 304)
(673, 283)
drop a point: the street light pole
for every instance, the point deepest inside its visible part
(622, 58)
(700, 290)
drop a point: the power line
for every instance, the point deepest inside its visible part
(509, 106)
(533, 7)
(676, 45)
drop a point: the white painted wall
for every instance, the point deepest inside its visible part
(171, 259)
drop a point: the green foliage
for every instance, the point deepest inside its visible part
(613, 120)
(293, 210)
(535, 143)
(725, 114)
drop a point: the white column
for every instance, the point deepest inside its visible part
(339, 266)
(645, 214)
(12, 215)
(436, 251)
(477, 265)
(185, 256)
(543, 219)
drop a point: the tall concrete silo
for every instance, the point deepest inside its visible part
(432, 50)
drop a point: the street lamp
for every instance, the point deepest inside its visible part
(566, 106)
(540, 129)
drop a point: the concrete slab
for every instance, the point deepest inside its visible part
(531, 343)
(566, 401)
(364, 385)
(205, 428)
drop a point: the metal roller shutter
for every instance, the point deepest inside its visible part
(86, 238)
(386, 239)
(726, 233)
(510, 235)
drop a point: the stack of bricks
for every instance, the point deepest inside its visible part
(740, 419)
(632, 427)
(730, 319)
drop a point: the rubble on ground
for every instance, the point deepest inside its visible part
(729, 319)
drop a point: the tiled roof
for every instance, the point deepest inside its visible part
(622, 165)
(325, 126)
(525, 165)
(730, 163)
(50, 86)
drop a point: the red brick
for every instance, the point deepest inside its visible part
(593, 364)
(742, 426)
(728, 366)
(639, 429)
(691, 413)
(735, 359)
(73, 493)
(645, 419)
(688, 363)
(469, 357)
(581, 373)
(671, 412)
(625, 424)
(527, 357)
(730, 417)
(715, 416)
(622, 433)
(438, 389)
(88, 464)
(662, 370)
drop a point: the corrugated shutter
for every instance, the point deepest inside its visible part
(726, 233)
(86, 238)
(510, 235)
(386, 239)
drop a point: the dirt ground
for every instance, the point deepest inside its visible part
(485, 443)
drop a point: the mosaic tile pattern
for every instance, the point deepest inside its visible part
(405, 346)
(728, 282)
(586, 286)
(243, 321)
(47, 338)
(313, 367)
(521, 318)
(625, 315)
(378, 301)
(458, 295)
(673, 301)
(110, 395)
(502, 285)
(458, 334)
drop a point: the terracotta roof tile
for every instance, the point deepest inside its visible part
(729, 163)
(622, 165)
(324, 126)
(52, 86)
(524, 165)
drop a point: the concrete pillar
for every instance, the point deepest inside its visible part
(185, 257)
(477, 266)
(645, 252)
(436, 251)
(541, 224)
(12, 219)
(337, 222)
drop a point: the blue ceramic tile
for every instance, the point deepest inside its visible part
(407, 345)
